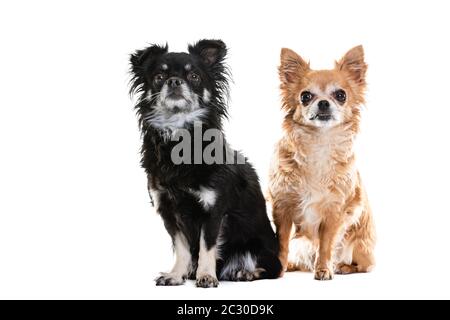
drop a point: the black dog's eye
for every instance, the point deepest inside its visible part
(306, 97)
(159, 78)
(340, 96)
(194, 77)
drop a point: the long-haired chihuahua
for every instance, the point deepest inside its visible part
(214, 211)
(314, 184)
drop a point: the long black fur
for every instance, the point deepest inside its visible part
(239, 213)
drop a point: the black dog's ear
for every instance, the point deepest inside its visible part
(137, 60)
(210, 51)
(140, 56)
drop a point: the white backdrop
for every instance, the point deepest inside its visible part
(75, 218)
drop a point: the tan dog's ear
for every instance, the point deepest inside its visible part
(292, 66)
(353, 63)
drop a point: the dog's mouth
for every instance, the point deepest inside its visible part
(322, 117)
(176, 96)
(176, 103)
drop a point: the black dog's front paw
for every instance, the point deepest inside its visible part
(170, 279)
(207, 281)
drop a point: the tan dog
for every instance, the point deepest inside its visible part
(314, 184)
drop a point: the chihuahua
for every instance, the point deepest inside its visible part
(215, 212)
(318, 200)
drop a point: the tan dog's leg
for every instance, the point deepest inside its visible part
(363, 259)
(283, 223)
(363, 242)
(328, 230)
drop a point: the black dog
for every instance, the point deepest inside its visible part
(215, 212)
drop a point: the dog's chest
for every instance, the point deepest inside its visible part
(318, 168)
(321, 166)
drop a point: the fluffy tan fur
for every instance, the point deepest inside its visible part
(317, 196)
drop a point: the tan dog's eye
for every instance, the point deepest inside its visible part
(340, 96)
(306, 97)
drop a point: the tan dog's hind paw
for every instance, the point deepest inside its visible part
(291, 267)
(343, 268)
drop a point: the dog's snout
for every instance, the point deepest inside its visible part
(324, 105)
(174, 82)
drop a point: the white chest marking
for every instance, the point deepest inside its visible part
(171, 123)
(207, 197)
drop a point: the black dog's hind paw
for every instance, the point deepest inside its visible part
(245, 275)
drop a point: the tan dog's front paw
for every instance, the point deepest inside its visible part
(323, 274)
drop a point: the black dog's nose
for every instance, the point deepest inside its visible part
(324, 105)
(174, 82)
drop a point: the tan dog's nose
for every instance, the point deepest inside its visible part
(324, 105)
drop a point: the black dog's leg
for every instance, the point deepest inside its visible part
(206, 270)
(183, 257)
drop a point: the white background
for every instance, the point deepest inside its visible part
(75, 218)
